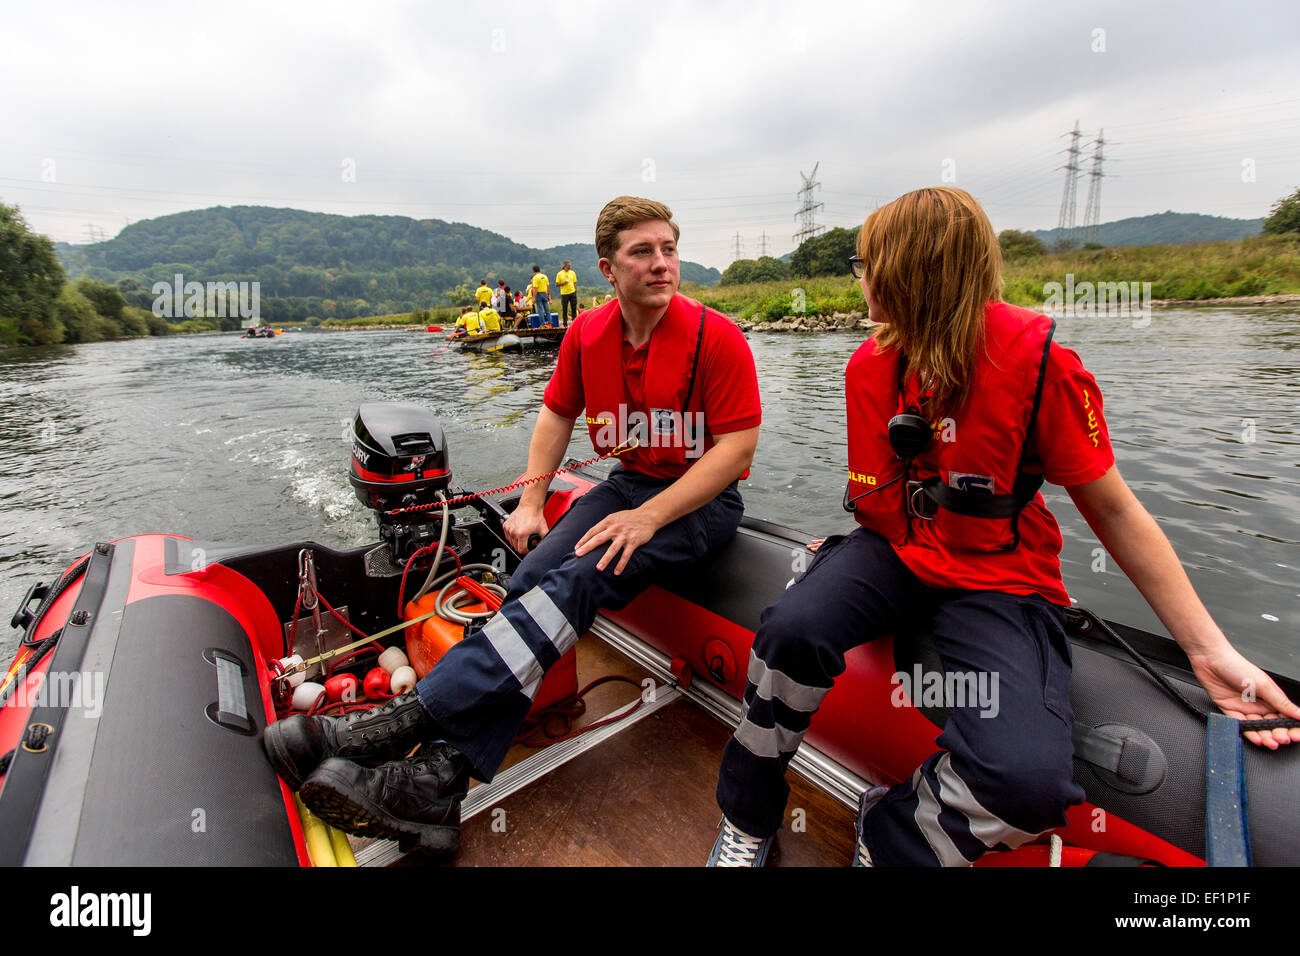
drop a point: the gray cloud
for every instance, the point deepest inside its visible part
(526, 118)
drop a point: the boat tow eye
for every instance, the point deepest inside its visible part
(719, 661)
(34, 739)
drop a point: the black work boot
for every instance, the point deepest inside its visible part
(414, 801)
(297, 744)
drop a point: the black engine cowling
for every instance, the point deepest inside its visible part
(399, 456)
(399, 460)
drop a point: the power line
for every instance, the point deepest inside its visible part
(1065, 222)
(807, 208)
(1092, 214)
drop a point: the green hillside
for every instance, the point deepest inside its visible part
(323, 265)
(1165, 228)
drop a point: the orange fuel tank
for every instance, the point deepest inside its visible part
(427, 641)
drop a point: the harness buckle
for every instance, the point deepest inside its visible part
(919, 504)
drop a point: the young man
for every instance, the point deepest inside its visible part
(483, 294)
(648, 356)
(541, 301)
(491, 320)
(567, 280)
(469, 322)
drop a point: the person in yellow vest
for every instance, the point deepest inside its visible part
(483, 293)
(469, 323)
(541, 298)
(567, 280)
(491, 319)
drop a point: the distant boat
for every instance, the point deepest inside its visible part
(514, 340)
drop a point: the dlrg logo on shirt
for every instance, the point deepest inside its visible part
(661, 428)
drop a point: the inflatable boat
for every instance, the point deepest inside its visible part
(148, 669)
(512, 340)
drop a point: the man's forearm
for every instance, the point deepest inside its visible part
(546, 449)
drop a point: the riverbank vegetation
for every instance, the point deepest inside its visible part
(1260, 265)
(38, 306)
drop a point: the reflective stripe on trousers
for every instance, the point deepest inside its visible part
(481, 690)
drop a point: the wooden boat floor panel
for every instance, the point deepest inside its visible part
(643, 798)
(595, 659)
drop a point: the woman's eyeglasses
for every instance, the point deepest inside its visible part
(855, 267)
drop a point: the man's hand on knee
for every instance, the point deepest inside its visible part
(625, 531)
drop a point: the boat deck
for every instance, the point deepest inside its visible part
(643, 796)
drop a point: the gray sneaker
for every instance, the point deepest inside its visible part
(735, 847)
(861, 855)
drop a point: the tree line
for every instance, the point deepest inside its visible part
(315, 266)
(39, 306)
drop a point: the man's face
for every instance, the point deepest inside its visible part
(644, 271)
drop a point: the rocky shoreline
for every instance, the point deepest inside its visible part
(837, 322)
(1282, 298)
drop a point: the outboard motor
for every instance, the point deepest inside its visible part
(399, 460)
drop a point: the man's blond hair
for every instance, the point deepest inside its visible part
(624, 212)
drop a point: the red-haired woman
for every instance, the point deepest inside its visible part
(959, 407)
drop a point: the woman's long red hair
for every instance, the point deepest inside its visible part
(932, 262)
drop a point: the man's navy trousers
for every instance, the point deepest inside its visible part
(481, 690)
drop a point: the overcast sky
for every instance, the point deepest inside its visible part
(525, 117)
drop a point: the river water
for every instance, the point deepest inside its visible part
(223, 438)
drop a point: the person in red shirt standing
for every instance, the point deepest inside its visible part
(959, 408)
(660, 376)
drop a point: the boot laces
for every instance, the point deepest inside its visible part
(388, 706)
(738, 848)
